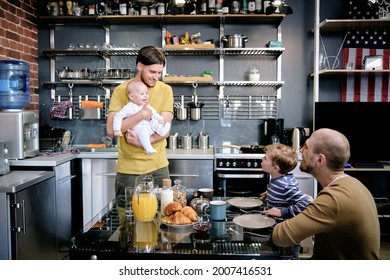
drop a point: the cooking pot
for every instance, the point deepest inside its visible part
(234, 41)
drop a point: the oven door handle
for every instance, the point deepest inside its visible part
(240, 176)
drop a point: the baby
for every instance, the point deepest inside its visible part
(138, 94)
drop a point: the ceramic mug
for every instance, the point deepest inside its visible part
(218, 210)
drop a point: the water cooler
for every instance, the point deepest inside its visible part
(17, 126)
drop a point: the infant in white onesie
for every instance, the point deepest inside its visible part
(138, 94)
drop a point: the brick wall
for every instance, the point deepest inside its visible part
(19, 39)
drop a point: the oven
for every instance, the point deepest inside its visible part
(238, 174)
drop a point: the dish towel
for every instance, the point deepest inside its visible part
(59, 109)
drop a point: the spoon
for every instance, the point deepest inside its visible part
(252, 211)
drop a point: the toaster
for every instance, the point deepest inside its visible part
(4, 162)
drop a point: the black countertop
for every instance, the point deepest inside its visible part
(108, 236)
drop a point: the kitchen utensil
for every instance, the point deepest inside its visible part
(234, 41)
(203, 141)
(172, 141)
(181, 113)
(245, 203)
(186, 141)
(252, 149)
(196, 114)
(254, 221)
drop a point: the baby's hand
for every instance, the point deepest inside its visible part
(118, 133)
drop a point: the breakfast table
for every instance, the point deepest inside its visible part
(113, 235)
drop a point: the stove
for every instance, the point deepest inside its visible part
(238, 174)
(233, 159)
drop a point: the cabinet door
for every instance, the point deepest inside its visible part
(193, 173)
(34, 223)
(103, 183)
(63, 203)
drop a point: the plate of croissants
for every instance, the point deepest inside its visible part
(176, 215)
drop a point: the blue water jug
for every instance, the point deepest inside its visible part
(14, 84)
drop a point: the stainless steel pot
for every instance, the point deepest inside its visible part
(234, 41)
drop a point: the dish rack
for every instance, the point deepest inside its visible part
(55, 144)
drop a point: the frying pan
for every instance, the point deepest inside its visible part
(251, 149)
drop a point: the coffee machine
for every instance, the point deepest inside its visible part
(271, 131)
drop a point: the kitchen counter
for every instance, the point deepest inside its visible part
(111, 236)
(58, 158)
(16, 181)
(171, 153)
(44, 161)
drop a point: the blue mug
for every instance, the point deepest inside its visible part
(218, 210)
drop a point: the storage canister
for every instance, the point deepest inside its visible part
(14, 84)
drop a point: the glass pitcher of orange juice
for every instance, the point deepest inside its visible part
(144, 201)
(145, 236)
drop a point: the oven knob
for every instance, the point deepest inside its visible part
(227, 164)
(248, 164)
(234, 164)
(220, 163)
(255, 164)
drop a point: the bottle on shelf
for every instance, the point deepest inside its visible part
(258, 6)
(201, 7)
(211, 7)
(166, 193)
(123, 7)
(218, 6)
(251, 7)
(235, 7)
(226, 6)
(244, 7)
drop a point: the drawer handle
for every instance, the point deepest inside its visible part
(184, 175)
(240, 176)
(106, 174)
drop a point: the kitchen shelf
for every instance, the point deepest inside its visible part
(344, 25)
(65, 83)
(342, 72)
(274, 52)
(275, 19)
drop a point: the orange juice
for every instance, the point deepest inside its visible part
(144, 206)
(145, 236)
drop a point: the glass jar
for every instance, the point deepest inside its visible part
(144, 202)
(179, 193)
(254, 73)
(166, 193)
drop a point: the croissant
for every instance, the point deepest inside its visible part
(180, 219)
(167, 219)
(172, 207)
(190, 213)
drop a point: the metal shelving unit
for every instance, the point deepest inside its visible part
(269, 89)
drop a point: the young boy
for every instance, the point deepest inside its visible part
(138, 95)
(284, 199)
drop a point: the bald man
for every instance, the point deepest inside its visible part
(343, 217)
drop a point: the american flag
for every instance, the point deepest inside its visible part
(360, 43)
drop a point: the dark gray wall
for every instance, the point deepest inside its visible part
(295, 106)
